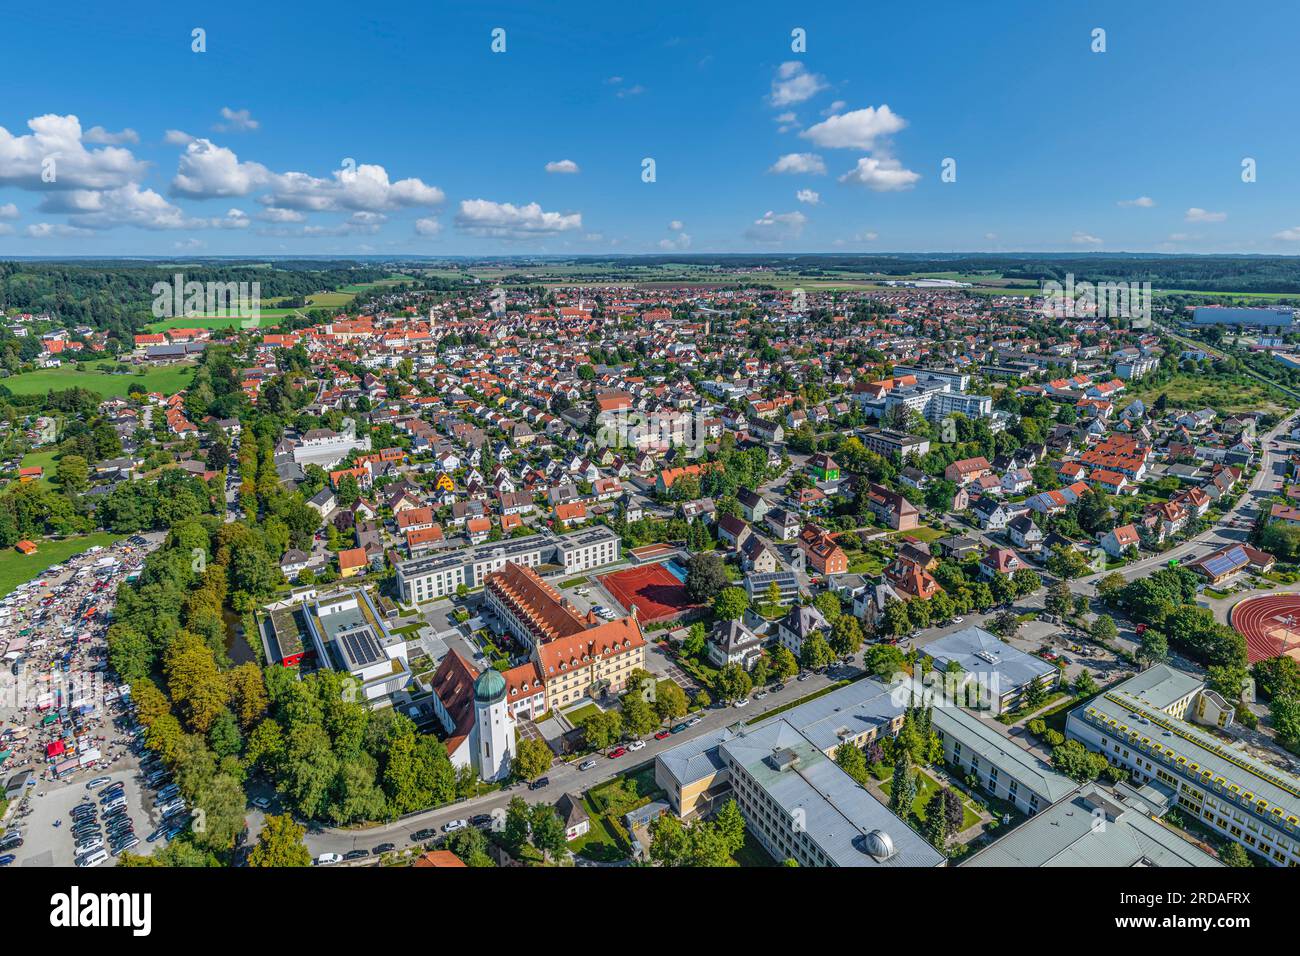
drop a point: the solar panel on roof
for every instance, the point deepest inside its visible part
(1229, 561)
(361, 646)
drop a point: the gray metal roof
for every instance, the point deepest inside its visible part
(695, 759)
(837, 814)
(1097, 826)
(1009, 757)
(977, 651)
(849, 710)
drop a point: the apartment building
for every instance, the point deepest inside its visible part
(434, 576)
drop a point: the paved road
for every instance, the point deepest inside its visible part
(564, 778)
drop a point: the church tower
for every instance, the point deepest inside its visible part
(494, 728)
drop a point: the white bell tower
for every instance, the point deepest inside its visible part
(494, 728)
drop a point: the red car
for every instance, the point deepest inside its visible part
(617, 752)
(662, 734)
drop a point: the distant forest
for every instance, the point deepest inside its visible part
(1270, 274)
(116, 296)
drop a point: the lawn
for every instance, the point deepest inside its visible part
(266, 318)
(925, 789)
(41, 459)
(752, 853)
(167, 379)
(579, 714)
(16, 569)
(923, 533)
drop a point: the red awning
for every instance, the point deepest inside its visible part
(54, 749)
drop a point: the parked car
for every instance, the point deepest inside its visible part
(356, 854)
(743, 702)
(539, 783)
(423, 836)
(662, 734)
(636, 745)
(692, 722)
(7, 859)
(451, 826)
(760, 695)
(385, 848)
(481, 820)
(327, 858)
(617, 752)
(677, 728)
(586, 764)
(92, 859)
(98, 782)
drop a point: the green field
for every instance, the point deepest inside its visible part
(16, 569)
(267, 318)
(41, 459)
(1193, 391)
(166, 379)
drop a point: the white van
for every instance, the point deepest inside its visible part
(93, 859)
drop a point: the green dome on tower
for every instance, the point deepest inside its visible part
(490, 687)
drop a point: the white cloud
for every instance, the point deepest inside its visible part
(563, 166)
(236, 121)
(835, 107)
(130, 205)
(681, 240)
(801, 163)
(8, 211)
(1182, 237)
(54, 230)
(365, 188)
(6, 229)
(97, 134)
(777, 227)
(503, 220)
(1196, 214)
(1084, 239)
(1142, 202)
(186, 244)
(809, 196)
(1288, 235)
(881, 175)
(794, 84)
(177, 137)
(856, 130)
(627, 91)
(990, 236)
(59, 138)
(207, 170)
(275, 214)
(427, 227)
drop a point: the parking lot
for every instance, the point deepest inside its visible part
(62, 723)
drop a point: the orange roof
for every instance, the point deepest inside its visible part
(581, 649)
(439, 858)
(352, 558)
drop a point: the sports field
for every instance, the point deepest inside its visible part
(655, 591)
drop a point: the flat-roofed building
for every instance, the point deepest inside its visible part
(1147, 725)
(437, 575)
(349, 635)
(1096, 826)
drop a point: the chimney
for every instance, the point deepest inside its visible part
(633, 610)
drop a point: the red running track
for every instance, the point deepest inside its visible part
(1270, 624)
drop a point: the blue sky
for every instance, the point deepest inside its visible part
(242, 149)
